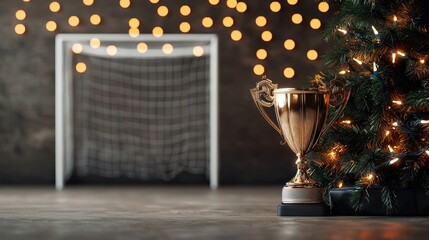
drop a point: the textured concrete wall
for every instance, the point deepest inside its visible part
(249, 148)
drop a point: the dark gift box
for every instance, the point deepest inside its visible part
(411, 202)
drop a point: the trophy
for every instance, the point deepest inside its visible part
(302, 117)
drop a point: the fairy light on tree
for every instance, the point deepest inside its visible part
(385, 133)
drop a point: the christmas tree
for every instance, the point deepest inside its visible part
(380, 49)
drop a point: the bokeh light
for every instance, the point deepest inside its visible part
(77, 48)
(185, 27)
(134, 32)
(241, 7)
(261, 21)
(312, 54)
(292, 2)
(51, 26)
(228, 21)
(95, 19)
(142, 47)
(275, 7)
(111, 50)
(95, 43)
(261, 54)
(20, 29)
(185, 10)
(236, 35)
(323, 6)
(214, 2)
(157, 31)
(167, 48)
(162, 11)
(207, 22)
(80, 67)
(297, 18)
(289, 44)
(266, 36)
(231, 3)
(74, 21)
(20, 14)
(289, 72)
(315, 23)
(124, 3)
(134, 23)
(54, 7)
(198, 51)
(258, 69)
(88, 2)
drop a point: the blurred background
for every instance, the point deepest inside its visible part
(287, 31)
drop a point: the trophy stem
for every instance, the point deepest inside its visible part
(301, 178)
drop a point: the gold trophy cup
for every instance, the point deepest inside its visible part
(302, 117)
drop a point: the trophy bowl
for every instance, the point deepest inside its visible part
(302, 118)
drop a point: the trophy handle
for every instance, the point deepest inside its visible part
(339, 97)
(263, 97)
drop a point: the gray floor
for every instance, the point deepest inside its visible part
(142, 212)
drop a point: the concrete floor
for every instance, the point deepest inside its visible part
(142, 212)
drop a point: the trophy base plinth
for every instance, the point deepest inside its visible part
(302, 194)
(303, 209)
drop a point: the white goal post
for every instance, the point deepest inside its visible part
(65, 69)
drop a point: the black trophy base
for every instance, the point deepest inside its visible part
(303, 209)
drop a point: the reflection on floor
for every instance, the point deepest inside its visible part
(178, 213)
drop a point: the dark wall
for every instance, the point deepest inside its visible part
(249, 148)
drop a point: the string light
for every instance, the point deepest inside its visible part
(332, 155)
(370, 177)
(393, 57)
(342, 72)
(424, 121)
(395, 20)
(390, 149)
(400, 53)
(422, 61)
(342, 31)
(374, 67)
(358, 61)
(387, 133)
(395, 124)
(348, 122)
(397, 102)
(374, 30)
(427, 152)
(340, 184)
(393, 161)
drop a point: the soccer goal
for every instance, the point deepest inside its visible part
(137, 107)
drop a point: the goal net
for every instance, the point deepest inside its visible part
(141, 108)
